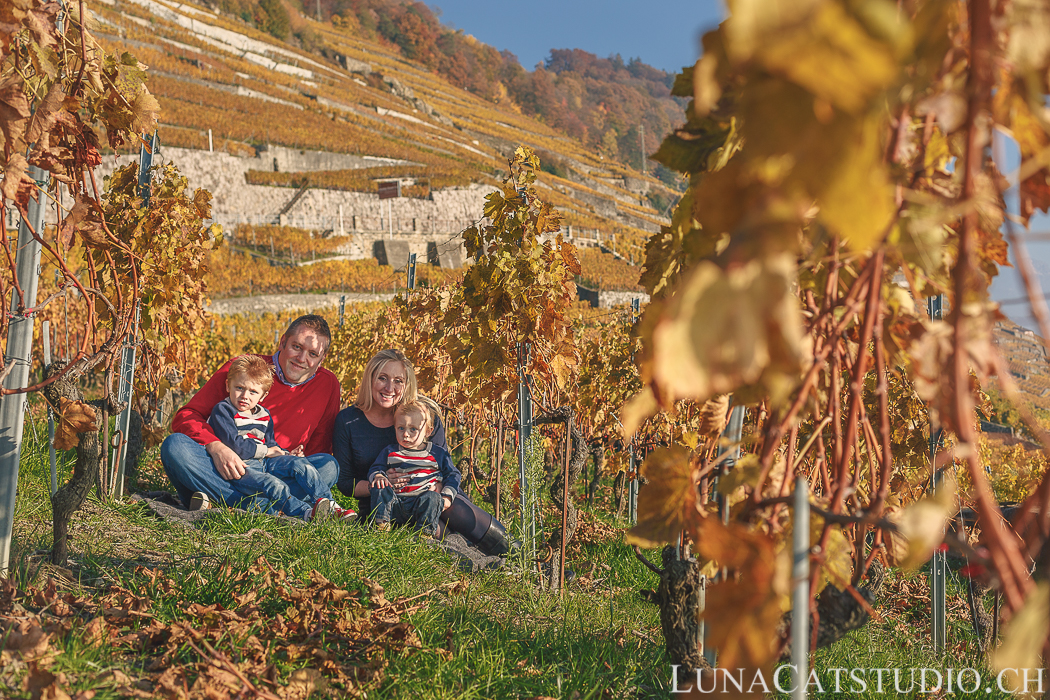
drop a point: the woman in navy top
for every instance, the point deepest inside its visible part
(363, 429)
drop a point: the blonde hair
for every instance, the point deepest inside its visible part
(433, 412)
(413, 408)
(253, 367)
(372, 370)
(425, 408)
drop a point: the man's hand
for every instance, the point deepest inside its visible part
(298, 451)
(227, 463)
(379, 481)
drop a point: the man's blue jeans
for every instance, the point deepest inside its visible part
(271, 478)
(189, 468)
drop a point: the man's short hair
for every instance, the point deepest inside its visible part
(253, 367)
(315, 323)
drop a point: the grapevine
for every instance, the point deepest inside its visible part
(810, 189)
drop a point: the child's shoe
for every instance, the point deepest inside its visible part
(343, 515)
(323, 509)
(200, 501)
(383, 527)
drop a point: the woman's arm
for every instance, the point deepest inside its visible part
(343, 455)
(353, 480)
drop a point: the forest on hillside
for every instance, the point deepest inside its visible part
(619, 108)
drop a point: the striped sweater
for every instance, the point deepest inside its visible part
(250, 435)
(424, 468)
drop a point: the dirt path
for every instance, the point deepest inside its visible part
(273, 303)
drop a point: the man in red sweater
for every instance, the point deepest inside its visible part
(303, 401)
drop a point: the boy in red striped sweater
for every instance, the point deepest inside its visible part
(427, 467)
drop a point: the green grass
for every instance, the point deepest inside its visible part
(902, 640)
(493, 635)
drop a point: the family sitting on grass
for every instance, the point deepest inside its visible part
(266, 433)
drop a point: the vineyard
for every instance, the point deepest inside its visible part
(420, 179)
(351, 94)
(266, 260)
(777, 459)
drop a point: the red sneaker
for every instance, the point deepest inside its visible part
(323, 509)
(343, 515)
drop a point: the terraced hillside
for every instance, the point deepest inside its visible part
(1027, 357)
(226, 86)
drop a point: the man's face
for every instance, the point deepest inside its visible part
(301, 355)
(411, 430)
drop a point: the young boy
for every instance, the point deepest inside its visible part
(247, 428)
(423, 464)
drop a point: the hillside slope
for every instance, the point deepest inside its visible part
(354, 95)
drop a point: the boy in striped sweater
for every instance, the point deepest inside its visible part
(247, 428)
(427, 480)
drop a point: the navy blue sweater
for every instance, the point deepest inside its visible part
(356, 444)
(248, 434)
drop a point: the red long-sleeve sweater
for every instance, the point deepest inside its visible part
(303, 414)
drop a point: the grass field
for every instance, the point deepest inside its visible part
(148, 608)
(490, 634)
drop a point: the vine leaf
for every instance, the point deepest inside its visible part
(837, 567)
(832, 55)
(713, 415)
(743, 609)
(14, 109)
(1023, 635)
(745, 472)
(920, 527)
(667, 504)
(724, 329)
(74, 417)
(637, 409)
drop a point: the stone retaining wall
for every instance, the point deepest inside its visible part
(422, 221)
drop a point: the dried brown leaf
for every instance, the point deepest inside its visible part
(74, 417)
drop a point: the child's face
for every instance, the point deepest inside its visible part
(411, 430)
(245, 393)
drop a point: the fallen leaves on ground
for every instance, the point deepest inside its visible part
(334, 640)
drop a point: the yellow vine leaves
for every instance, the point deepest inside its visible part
(784, 141)
(1023, 638)
(1018, 104)
(841, 58)
(728, 328)
(920, 528)
(742, 609)
(667, 503)
(54, 85)
(517, 290)
(160, 256)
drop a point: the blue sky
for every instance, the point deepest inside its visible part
(664, 34)
(1008, 286)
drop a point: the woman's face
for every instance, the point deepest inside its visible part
(389, 385)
